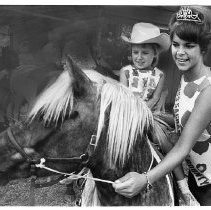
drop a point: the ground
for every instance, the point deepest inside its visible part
(17, 192)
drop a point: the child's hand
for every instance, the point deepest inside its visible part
(189, 199)
(185, 193)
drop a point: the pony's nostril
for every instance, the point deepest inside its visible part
(17, 156)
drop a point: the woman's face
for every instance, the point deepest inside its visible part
(143, 55)
(186, 55)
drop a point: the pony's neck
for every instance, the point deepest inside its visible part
(140, 161)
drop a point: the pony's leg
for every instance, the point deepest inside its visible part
(202, 194)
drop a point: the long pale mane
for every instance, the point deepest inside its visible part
(129, 115)
(54, 100)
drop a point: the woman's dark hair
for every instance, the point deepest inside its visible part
(193, 31)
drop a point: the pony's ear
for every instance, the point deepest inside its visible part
(71, 67)
(82, 85)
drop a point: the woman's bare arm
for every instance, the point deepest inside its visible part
(196, 124)
(200, 118)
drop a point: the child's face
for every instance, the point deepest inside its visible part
(142, 55)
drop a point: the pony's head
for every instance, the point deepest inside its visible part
(59, 125)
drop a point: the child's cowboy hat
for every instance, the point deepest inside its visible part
(145, 33)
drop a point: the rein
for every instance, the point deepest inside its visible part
(75, 176)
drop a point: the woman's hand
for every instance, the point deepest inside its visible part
(130, 184)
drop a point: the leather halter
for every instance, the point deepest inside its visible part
(82, 159)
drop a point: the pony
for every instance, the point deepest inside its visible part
(83, 121)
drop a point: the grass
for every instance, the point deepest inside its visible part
(16, 193)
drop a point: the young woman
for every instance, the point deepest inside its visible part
(190, 32)
(143, 77)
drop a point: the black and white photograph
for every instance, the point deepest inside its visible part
(105, 104)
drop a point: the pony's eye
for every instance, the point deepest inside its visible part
(73, 115)
(40, 119)
(46, 124)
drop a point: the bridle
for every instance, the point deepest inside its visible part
(82, 160)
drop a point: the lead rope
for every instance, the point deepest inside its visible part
(71, 175)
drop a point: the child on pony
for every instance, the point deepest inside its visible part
(142, 76)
